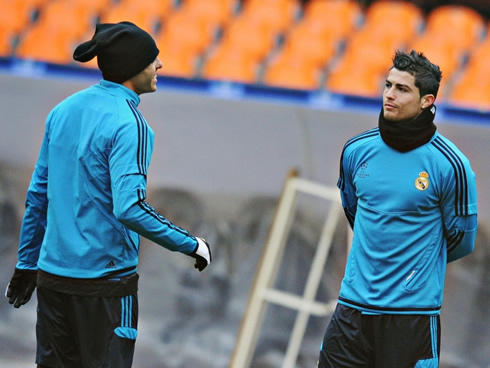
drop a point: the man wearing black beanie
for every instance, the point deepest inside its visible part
(86, 210)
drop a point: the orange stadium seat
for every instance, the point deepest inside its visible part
(181, 32)
(215, 13)
(469, 94)
(381, 17)
(159, 8)
(254, 42)
(177, 64)
(337, 18)
(402, 13)
(354, 79)
(92, 64)
(439, 49)
(318, 48)
(15, 15)
(363, 52)
(473, 86)
(462, 25)
(95, 6)
(290, 71)
(6, 37)
(144, 17)
(229, 66)
(33, 46)
(277, 15)
(66, 17)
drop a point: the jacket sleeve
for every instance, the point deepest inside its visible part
(132, 209)
(129, 161)
(35, 216)
(459, 211)
(347, 189)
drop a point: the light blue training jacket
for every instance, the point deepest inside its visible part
(411, 213)
(86, 204)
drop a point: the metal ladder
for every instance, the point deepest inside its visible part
(262, 291)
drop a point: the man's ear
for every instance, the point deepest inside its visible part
(426, 101)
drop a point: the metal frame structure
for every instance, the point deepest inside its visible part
(262, 291)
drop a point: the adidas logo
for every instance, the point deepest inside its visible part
(111, 264)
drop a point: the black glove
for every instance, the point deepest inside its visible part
(202, 254)
(21, 287)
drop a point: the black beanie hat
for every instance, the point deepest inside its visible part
(122, 49)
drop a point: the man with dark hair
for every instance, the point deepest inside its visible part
(86, 210)
(410, 197)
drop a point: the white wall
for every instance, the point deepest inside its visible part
(222, 146)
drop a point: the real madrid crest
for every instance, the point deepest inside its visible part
(422, 182)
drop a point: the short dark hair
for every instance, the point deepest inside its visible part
(427, 75)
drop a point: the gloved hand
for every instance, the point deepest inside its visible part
(202, 254)
(21, 287)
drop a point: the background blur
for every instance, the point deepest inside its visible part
(232, 116)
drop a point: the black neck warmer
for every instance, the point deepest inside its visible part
(407, 135)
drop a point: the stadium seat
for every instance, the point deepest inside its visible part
(33, 46)
(254, 42)
(336, 18)
(472, 87)
(364, 52)
(6, 38)
(277, 15)
(354, 79)
(160, 8)
(144, 17)
(92, 64)
(439, 49)
(216, 13)
(229, 66)
(95, 6)
(381, 16)
(15, 15)
(191, 33)
(403, 14)
(291, 71)
(316, 47)
(177, 64)
(66, 17)
(461, 24)
(472, 93)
